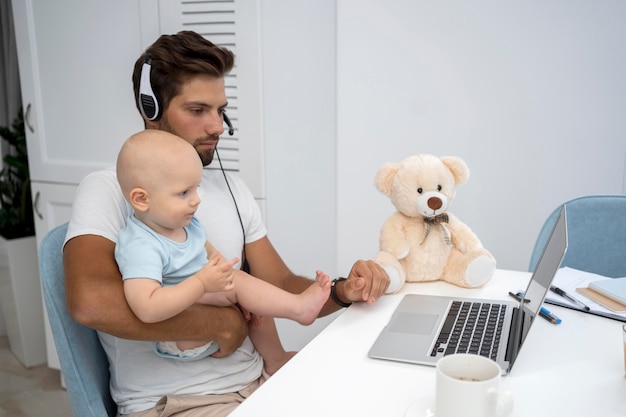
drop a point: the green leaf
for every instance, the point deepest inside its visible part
(16, 209)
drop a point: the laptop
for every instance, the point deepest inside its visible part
(424, 328)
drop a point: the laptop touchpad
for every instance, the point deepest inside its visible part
(413, 323)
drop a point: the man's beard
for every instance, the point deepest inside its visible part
(205, 156)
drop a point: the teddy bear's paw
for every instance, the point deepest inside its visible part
(393, 268)
(396, 279)
(403, 253)
(479, 271)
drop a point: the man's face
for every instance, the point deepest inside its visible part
(196, 114)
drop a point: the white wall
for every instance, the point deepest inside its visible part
(299, 116)
(530, 94)
(298, 61)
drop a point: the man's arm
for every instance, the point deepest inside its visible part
(95, 298)
(366, 282)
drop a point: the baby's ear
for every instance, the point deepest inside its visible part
(138, 198)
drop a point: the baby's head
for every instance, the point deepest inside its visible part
(155, 162)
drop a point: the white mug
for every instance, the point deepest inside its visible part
(469, 386)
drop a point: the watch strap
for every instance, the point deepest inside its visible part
(333, 293)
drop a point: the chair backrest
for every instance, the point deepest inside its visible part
(596, 228)
(84, 364)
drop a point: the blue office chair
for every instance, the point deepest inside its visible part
(596, 228)
(84, 364)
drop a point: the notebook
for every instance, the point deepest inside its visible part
(614, 288)
(420, 331)
(603, 301)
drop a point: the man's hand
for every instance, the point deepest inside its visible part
(235, 332)
(367, 282)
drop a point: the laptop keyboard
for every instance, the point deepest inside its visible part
(471, 327)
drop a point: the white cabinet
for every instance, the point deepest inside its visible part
(53, 206)
(76, 61)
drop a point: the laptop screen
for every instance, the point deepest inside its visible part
(541, 279)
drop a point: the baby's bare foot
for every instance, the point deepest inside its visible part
(322, 279)
(313, 299)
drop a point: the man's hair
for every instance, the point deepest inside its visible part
(176, 59)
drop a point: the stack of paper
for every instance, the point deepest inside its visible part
(610, 292)
(573, 282)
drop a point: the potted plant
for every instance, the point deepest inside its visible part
(16, 208)
(20, 288)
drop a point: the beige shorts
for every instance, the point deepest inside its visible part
(215, 405)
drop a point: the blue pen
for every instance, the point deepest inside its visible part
(545, 313)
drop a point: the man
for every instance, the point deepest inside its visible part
(179, 87)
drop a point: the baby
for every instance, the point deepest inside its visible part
(167, 263)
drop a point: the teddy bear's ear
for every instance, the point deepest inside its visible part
(385, 176)
(458, 167)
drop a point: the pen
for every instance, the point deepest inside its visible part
(618, 317)
(569, 297)
(545, 313)
(518, 297)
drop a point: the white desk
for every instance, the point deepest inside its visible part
(572, 369)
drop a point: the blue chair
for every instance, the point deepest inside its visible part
(596, 228)
(84, 364)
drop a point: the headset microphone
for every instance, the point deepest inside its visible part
(148, 102)
(231, 129)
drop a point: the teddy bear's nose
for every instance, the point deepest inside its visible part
(434, 203)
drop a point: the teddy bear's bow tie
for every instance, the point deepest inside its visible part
(438, 219)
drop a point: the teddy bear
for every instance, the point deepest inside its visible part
(422, 240)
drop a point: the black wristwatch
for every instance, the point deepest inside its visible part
(333, 293)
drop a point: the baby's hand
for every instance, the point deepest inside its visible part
(217, 274)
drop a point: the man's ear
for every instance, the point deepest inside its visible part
(138, 198)
(151, 124)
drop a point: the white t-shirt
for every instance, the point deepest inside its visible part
(139, 378)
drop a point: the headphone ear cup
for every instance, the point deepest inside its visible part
(148, 102)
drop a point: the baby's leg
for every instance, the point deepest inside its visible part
(219, 299)
(265, 338)
(264, 299)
